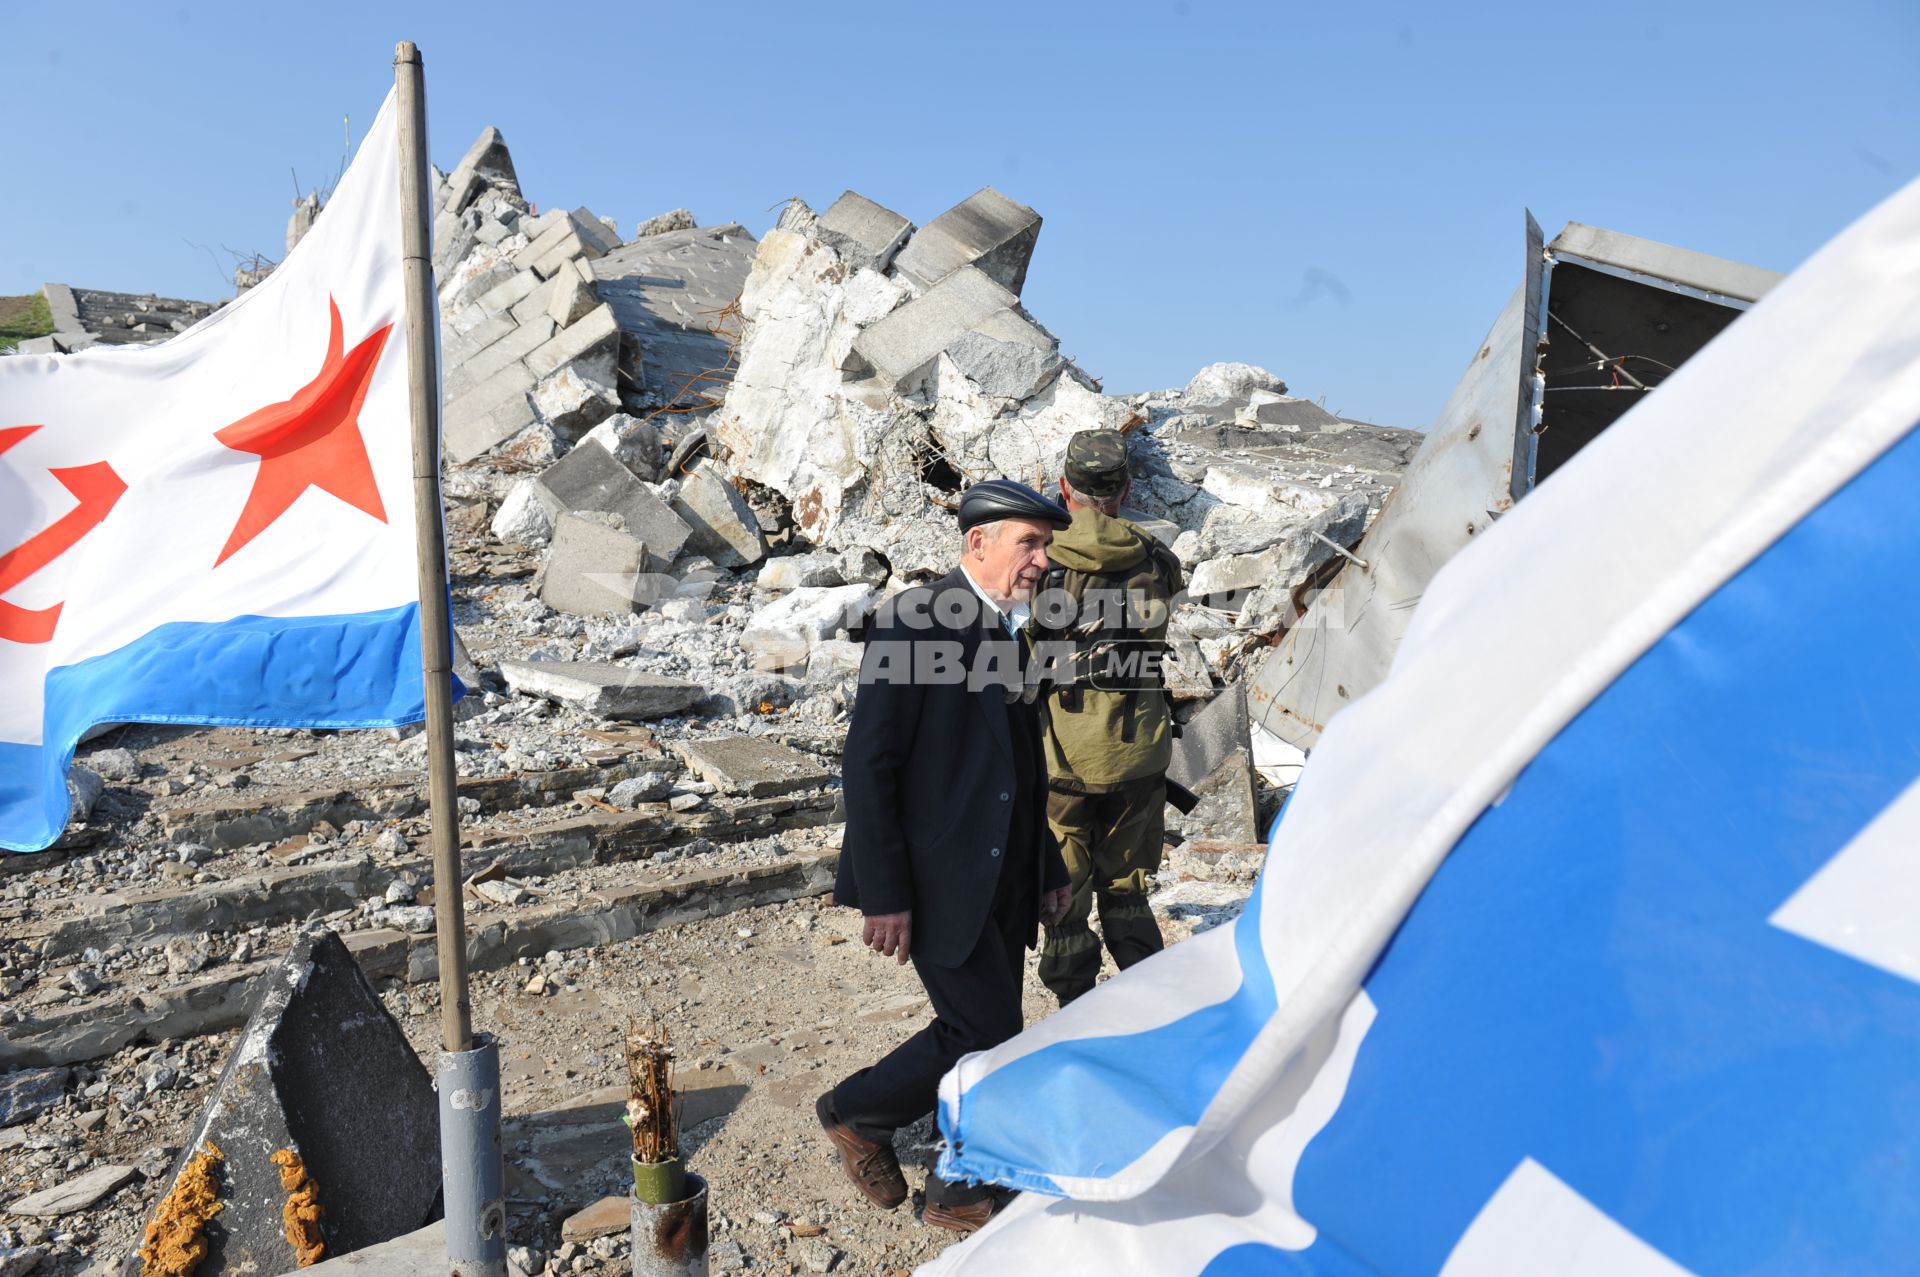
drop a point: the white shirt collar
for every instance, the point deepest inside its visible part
(1018, 616)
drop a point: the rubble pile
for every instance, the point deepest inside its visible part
(682, 471)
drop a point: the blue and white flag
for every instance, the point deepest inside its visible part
(216, 529)
(1589, 944)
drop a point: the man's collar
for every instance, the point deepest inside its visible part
(986, 598)
(1013, 619)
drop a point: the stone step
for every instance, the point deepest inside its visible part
(223, 999)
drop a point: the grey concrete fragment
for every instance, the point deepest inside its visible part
(458, 347)
(324, 1070)
(865, 234)
(509, 350)
(522, 518)
(488, 415)
(27, 1093)
(986, 230)
(1213, 757)
(602, 689)
(632, 441)
(753, 766)
(487, 160)
(724, 526)
(569, 299)
(671, 294)
(592, 479)
(902, 346)
(1007, 356)
(597, 568)
(75, 1194)
(679, 219)
(578, 396)
(822, 567)
(595, 229)
(782, 633)
(1303, 414)
(594, 331)
(503, 295)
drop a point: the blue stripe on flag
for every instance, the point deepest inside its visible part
(357, 670)
(1142, 1085)
(1591, 980)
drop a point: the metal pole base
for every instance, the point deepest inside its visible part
(670, 1240)
(472, 1170)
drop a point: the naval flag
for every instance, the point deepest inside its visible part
(1587, 945)
(216, 529)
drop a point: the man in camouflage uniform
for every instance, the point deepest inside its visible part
(1108, 735)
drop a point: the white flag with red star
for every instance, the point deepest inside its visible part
(216, 529)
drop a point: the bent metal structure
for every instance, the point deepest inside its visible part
(1598, 322)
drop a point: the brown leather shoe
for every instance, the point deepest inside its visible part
(968, 1218)
(872, 1167)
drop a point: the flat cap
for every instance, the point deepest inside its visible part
(998, 499)
(1097, 463)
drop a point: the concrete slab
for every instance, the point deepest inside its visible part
(324, 1070)
(986, 230)
(595, 567)
(509, 350)
(1213, 757)
(27, 1093)
(753, 766)
(502, 296)
(596, 330)
(724, 526)
(672, 292)
(901, 347)
(865, 234)
(602, 689)
(422, 1253)
(488, 415)
(590, 478)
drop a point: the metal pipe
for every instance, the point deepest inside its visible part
(1339, 549)
(436, 625)
(670, 1239)
(472, 1168)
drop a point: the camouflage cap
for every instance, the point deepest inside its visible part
(1097, 462)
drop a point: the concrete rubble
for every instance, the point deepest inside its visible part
(682, 471)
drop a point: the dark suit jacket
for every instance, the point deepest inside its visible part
(930, 774)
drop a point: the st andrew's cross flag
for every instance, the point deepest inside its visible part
(217, 528)
(1589, 945)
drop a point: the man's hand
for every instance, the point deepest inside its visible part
(1054, 905)
(889, 933)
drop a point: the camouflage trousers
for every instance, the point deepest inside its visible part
(1112, 844)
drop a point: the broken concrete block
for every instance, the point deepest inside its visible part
(578, 396)
(1283, 413)
(84, 788)
(1213, 758)
(634, 443)
(753, 766)
(986, 230)
(509, 350)
(18, 1261)
(504, 296)
(323, 1071)
(457, 348)
(865, 234)
(488, 415)
(522, 518)
(601, 689)
(1223, 381)
(487, 162)
(902, 347)
(27, 1093)
(592, 479)
(822, 567)
(75, 1194)
(724, 526)
(781, 633)
(597, 568)
(597, 230)
(596, 330)
(1007, 356)
(571, 298)
(564, 239)
(833, 660)
(679, 219)
(534, 446)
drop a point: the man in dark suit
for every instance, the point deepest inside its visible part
(947, 850)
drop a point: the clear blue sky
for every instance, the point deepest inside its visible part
(1331, 190)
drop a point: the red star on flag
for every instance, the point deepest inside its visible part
(311, 440)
